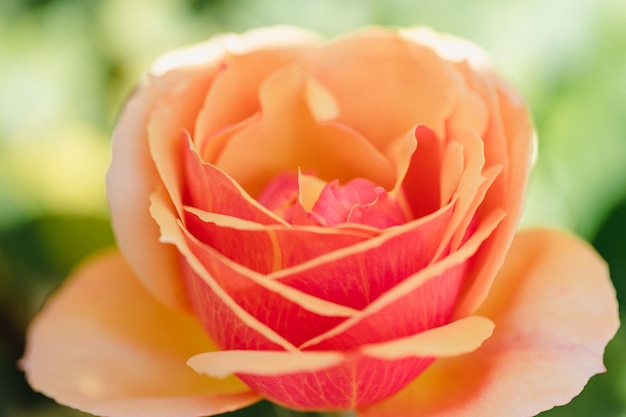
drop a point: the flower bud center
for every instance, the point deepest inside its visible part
(306, 199)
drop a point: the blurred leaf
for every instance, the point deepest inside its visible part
(581, 173)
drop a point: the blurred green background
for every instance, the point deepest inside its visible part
(66, 67)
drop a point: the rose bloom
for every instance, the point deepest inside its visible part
(329, 226)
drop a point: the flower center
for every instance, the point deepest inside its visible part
(305, 199)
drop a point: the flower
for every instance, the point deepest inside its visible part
(334, 225)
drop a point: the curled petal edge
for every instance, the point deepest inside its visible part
(456, 338)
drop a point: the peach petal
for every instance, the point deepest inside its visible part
(227, 314)
(309, 189)
(400, 153)
(554, 309)
(266, 249)
(421, 301)
(174, 114)
(329, 150)
(470, 113)
(453, 339)
(103, 345)
(131, 178)
(449, 47)
(364, 277)
(451, 170)
(334, 380)
(411, 84)
(216, 48)
(233, 96)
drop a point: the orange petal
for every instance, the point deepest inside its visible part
(334, 380)
(216, 48)
(410, 84)
(103, 345)
(554, 309)
(509, 145)
(292, 102)
(233, 96)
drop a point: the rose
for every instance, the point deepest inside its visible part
(327, 222)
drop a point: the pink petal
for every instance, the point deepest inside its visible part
(266, 249)
(357, 275)
(554, 309)
(358, 201)
(334, 380)
(209, 189)
(103, 345)
(423, 300)
(294, 315)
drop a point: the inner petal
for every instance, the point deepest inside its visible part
(305, 199)
(358, 201)
(293, 132)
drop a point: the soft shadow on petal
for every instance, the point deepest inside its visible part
(234, 96)
(555, 310)
(103, 345)
(334, 380)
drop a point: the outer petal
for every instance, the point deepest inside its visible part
(410, 83)
(344, 380)
(131, 178)
(554, 309)
(103, 345)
